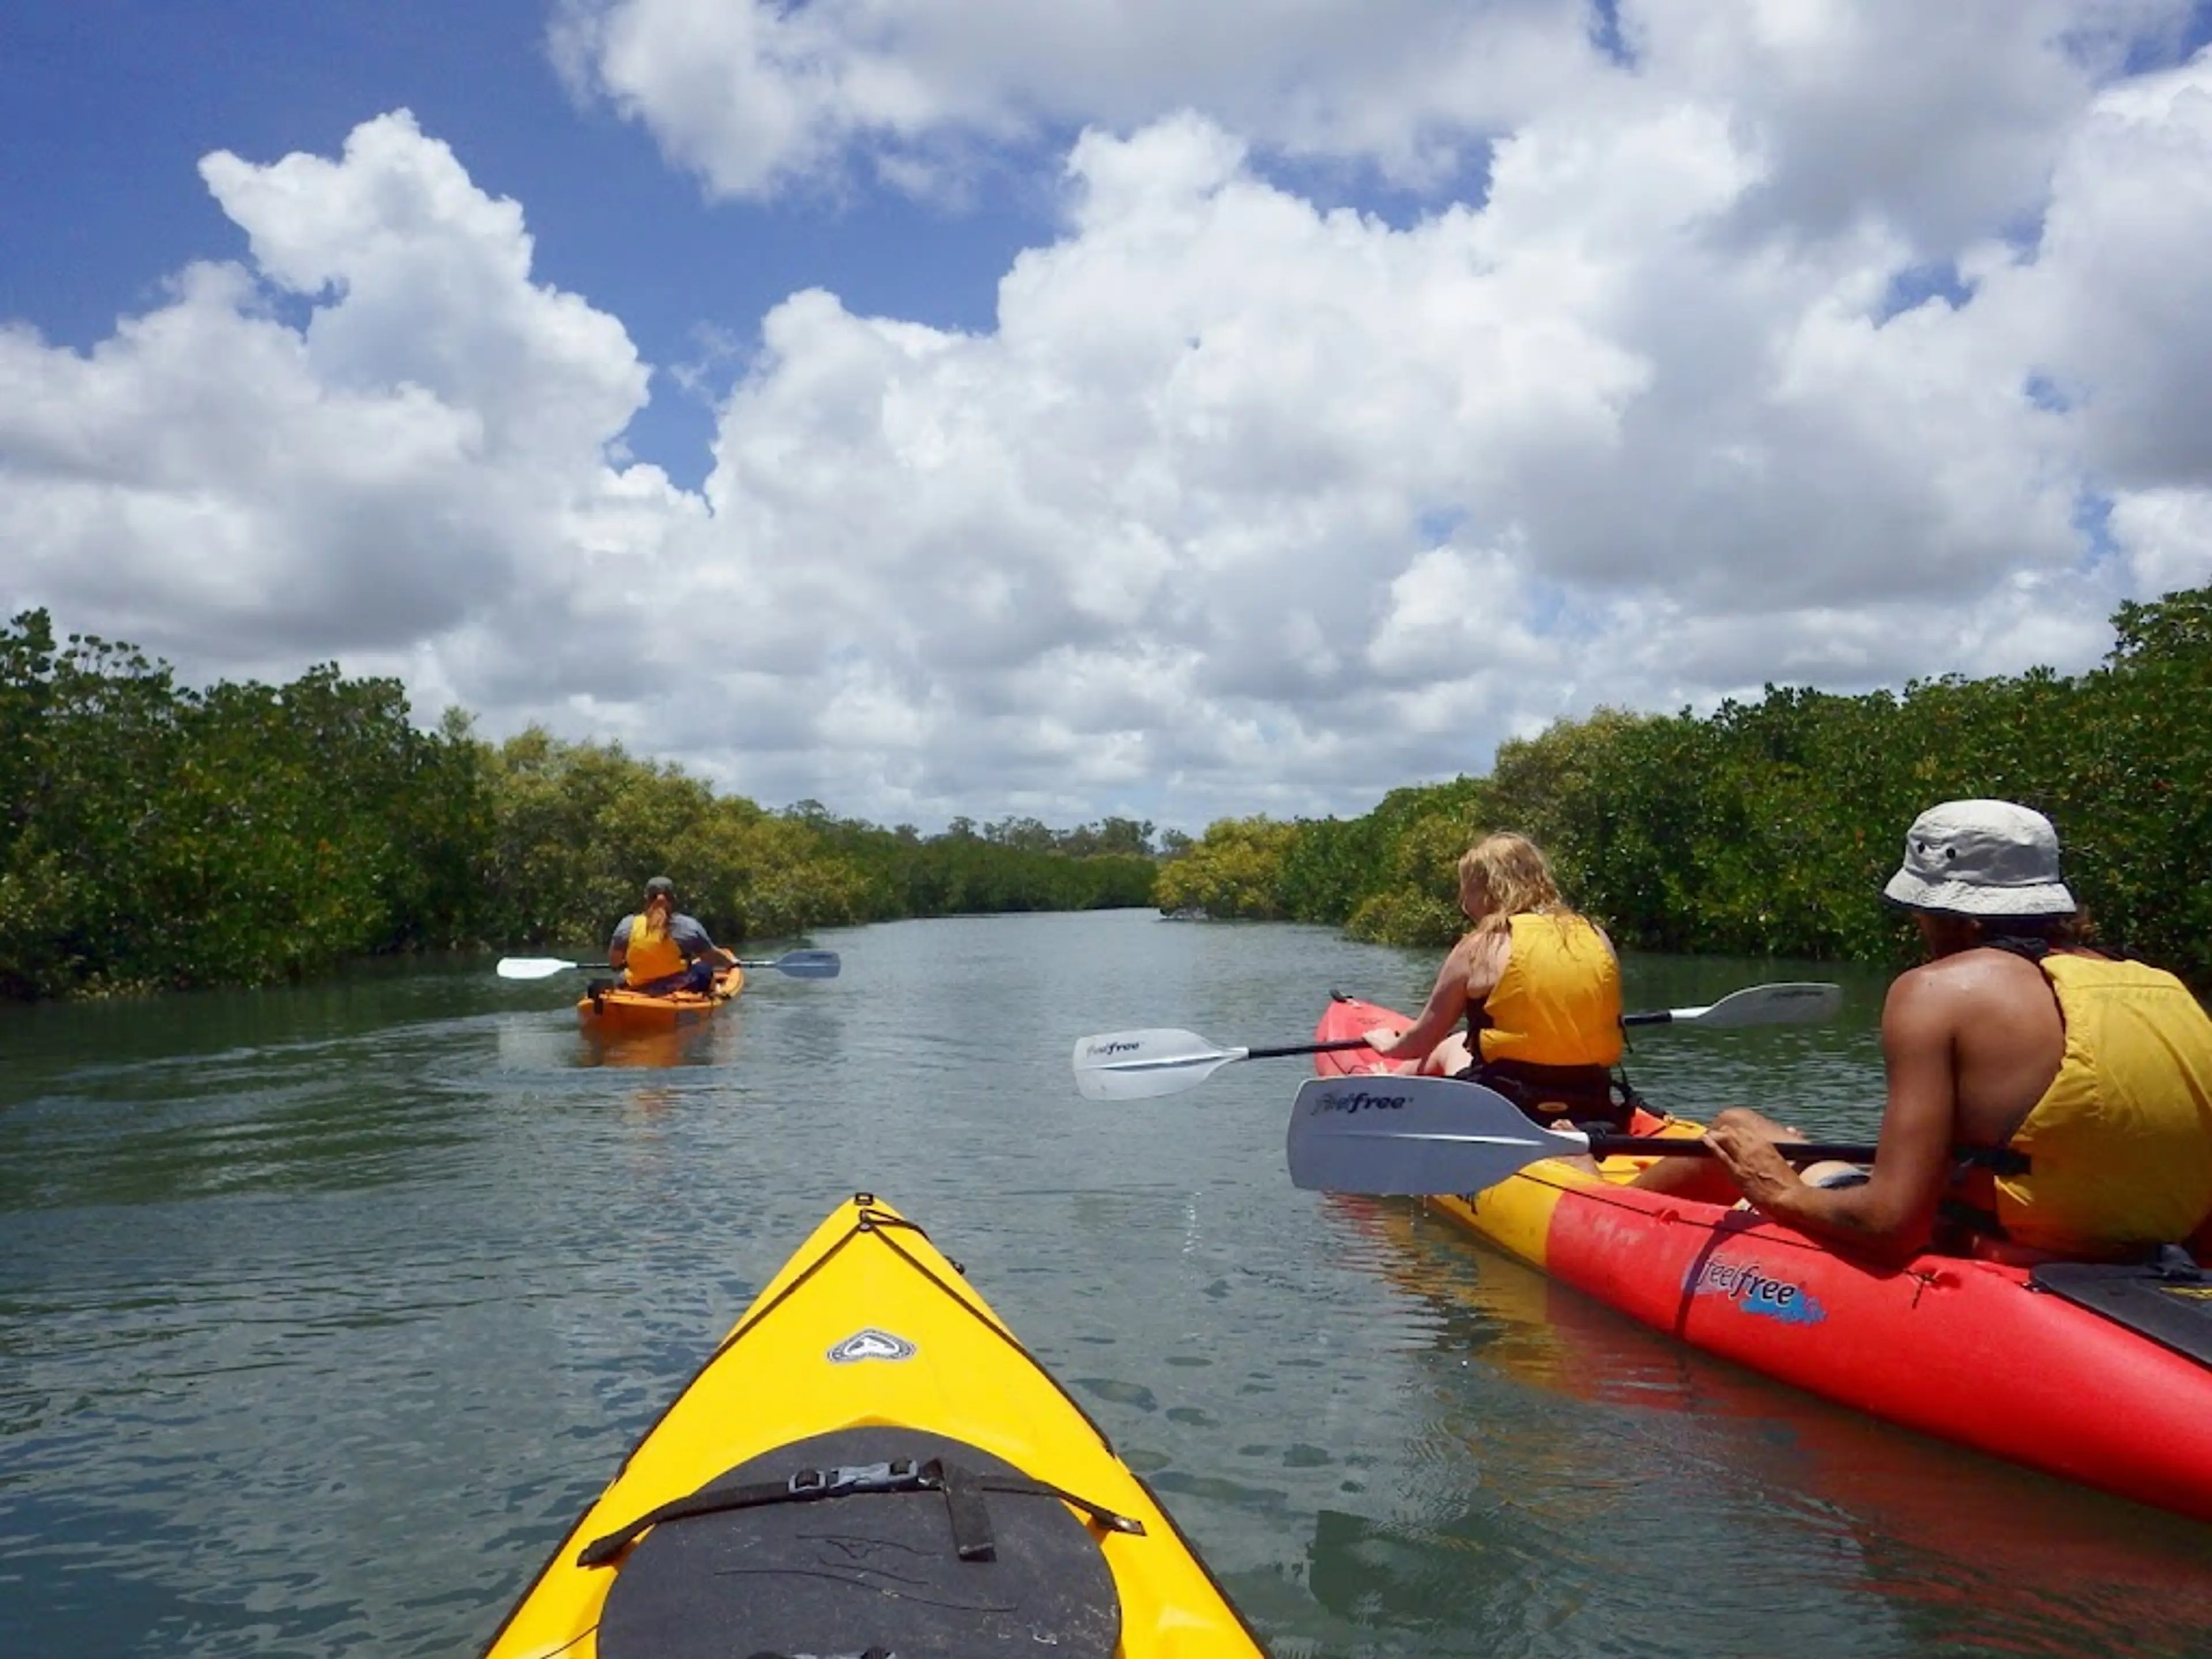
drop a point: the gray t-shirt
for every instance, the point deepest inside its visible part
(690, 937)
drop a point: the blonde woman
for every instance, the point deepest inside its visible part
(1538, 986)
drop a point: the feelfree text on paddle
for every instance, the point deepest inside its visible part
(1356, 1101)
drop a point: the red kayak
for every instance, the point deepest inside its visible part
(2098, 1374)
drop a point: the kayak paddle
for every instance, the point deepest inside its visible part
(800, 964)
(1402, 1135)
(1142, 1065)
(1792, 1002)
(1145, 1065)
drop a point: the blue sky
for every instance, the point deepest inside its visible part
(106, 106)
(1372, 382)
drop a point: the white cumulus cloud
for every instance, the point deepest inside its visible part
(1245, 502)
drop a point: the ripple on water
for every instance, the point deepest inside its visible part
(324, 1312)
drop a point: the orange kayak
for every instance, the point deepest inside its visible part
(618, 1010)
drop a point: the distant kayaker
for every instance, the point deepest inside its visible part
(659, 949)
(1538, 986)
(2014, 1035)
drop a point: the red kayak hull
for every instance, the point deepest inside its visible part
(1962, 1349)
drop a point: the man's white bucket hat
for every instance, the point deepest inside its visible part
(1981, 858)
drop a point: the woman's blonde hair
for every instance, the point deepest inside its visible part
(1505, 875)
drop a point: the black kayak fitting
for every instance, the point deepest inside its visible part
(2168, 1299)
(875, 1540)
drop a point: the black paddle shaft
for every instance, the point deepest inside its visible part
(1305, 1048)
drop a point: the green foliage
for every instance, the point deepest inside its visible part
(157, 835)
(577, 827)
(1768, 827)
(1233, 874)
(1390, 875)
(1017, 865)
(2140, 852)
(1420, 904)
(153, 835)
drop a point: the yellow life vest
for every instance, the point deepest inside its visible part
(650, 956)
(1557, 1003)
(2120, 1144)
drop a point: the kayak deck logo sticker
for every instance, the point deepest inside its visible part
(1750, 1290)
(871, 1344)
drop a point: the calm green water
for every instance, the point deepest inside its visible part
(322, 1312)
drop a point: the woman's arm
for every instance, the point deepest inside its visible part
(1469, 974)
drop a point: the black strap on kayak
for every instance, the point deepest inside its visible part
(963, 1491)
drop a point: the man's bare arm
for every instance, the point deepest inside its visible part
(1893, 1214)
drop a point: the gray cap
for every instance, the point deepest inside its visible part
(661, 885)
(1981, 858)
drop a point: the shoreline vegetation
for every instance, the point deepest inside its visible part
(1766, 828)
(153, 836)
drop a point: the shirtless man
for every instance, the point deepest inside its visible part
(2013, 1034)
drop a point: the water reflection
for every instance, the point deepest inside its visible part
(1931, 1544)
(275, 1266)
(681, 1045)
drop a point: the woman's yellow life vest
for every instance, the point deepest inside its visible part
(651, 954)
(2119, 1147)
(1557, 1003)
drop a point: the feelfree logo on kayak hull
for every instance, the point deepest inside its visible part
(871, 1344)
(1749, 1289)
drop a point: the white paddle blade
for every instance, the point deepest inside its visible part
(1145, 1065)
(1792, 1003)
(532, 967)
(1394, 1135)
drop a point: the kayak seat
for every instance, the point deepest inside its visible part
(838, 1544)
(1595, 1098)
